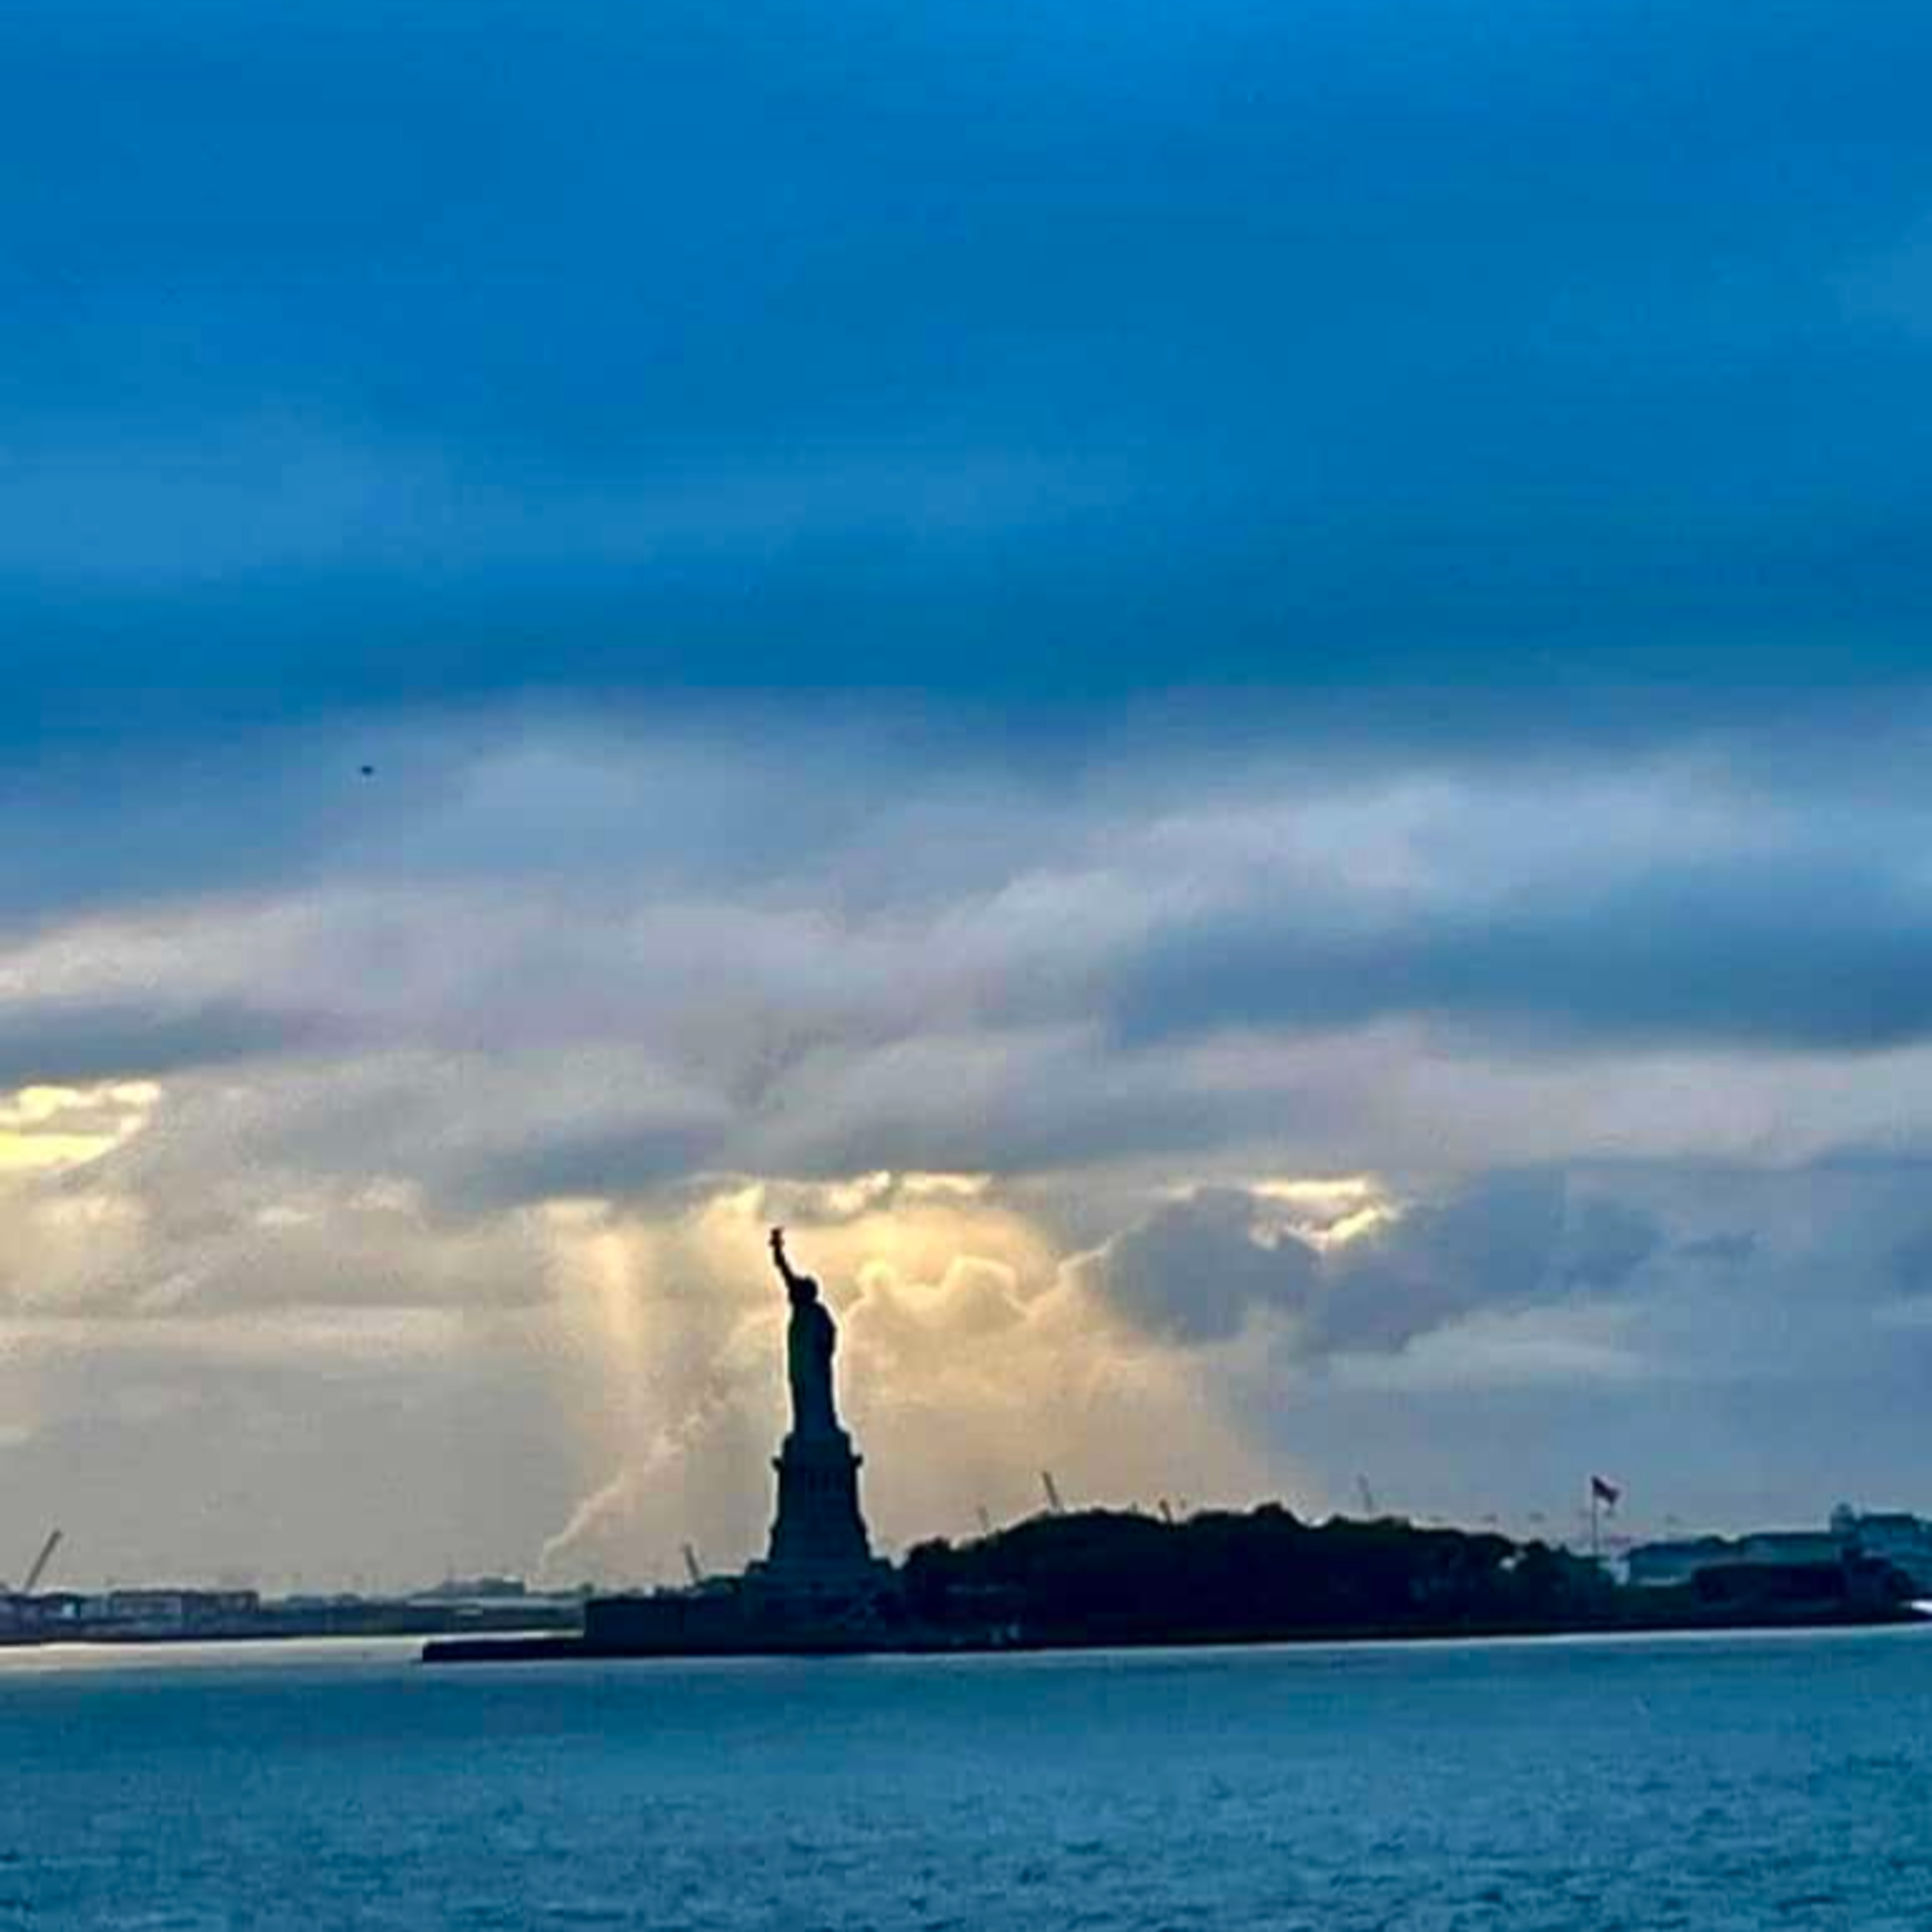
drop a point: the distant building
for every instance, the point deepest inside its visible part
(1663, 1566)
(478, 1589)
(1791, 1547)
(141, 1613)
(35, 1618)
(1888, 1536)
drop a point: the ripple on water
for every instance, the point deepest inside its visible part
(1569, 1788)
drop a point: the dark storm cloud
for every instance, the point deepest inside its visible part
(1506, 1240)
(1794, 955)
(360, 355)
(1607, 1241)
(1196, 1269)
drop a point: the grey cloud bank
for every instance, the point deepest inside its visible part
(1199, 1269)
(1793, 952)
(454, 1102)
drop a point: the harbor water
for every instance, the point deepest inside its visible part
(1701, 1783)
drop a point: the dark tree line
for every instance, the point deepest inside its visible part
(1101, 1576)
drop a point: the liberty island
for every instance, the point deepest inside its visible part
(1085, 1578)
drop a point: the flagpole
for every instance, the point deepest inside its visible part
(1596, 1549)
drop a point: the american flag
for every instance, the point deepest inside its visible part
(1604, 1492)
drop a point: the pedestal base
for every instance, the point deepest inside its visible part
(820, 1556)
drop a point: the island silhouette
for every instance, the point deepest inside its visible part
(1067, 1579)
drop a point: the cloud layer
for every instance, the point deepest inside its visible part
(1237, 702)
(475, 1113)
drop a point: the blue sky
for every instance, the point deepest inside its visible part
(1220, 624)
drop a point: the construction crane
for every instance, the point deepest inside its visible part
(41, 1561)
(693, 1568)
(1055, 1506)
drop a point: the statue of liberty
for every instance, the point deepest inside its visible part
(810, 1342)
(819, 1563)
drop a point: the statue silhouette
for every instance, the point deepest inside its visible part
(811, 1340)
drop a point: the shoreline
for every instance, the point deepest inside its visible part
(566, 1648)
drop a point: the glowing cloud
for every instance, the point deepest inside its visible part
(972, 1354)
(45, 1128)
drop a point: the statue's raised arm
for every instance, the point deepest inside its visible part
(791, 1280)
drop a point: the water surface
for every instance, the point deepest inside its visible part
(1702, 1783)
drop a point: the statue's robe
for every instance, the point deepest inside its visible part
(809, 1344)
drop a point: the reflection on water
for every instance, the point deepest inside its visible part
(265, 1653)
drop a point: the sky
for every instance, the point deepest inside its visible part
(1235, 697)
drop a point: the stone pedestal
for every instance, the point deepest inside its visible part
(818, 1528)
(820, 1558)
